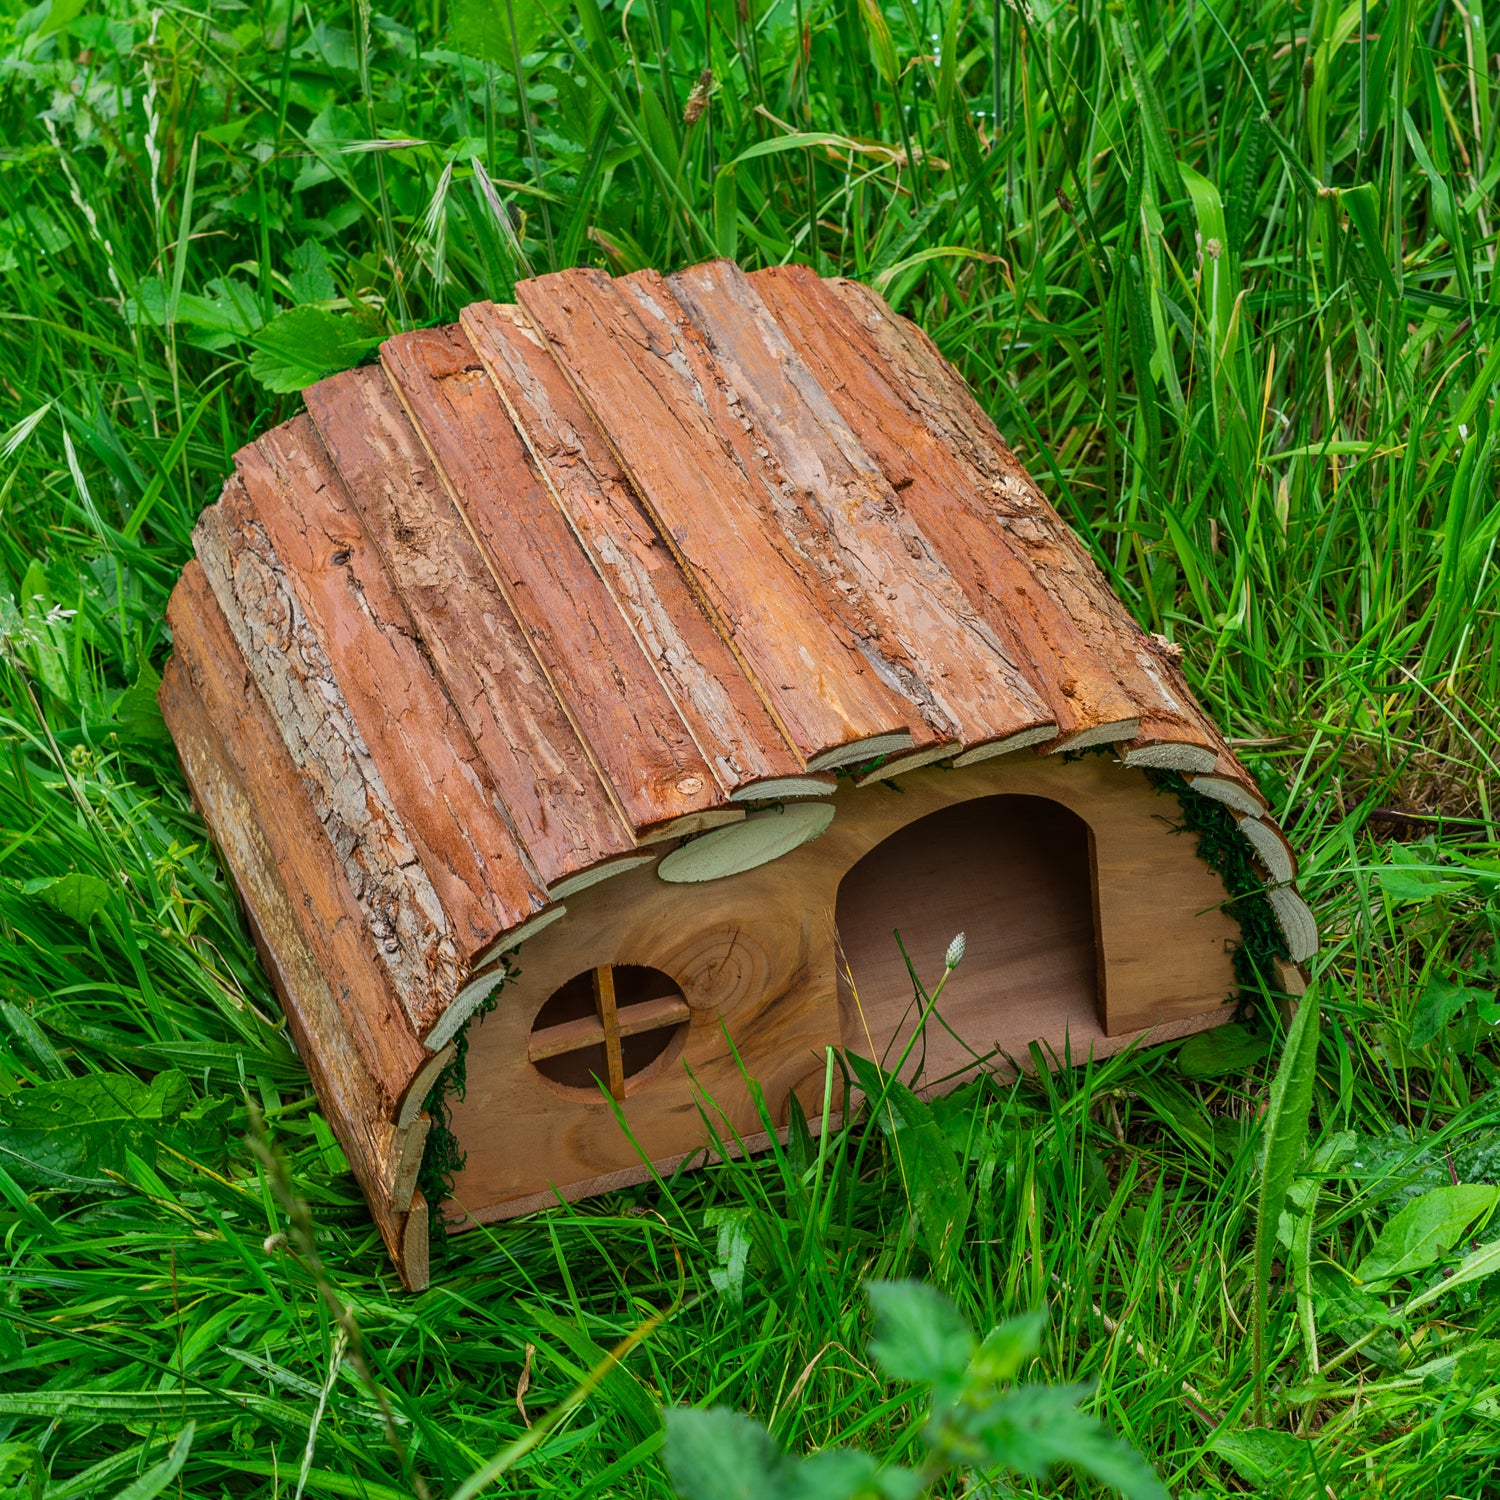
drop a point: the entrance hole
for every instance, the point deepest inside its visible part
(1014, 874)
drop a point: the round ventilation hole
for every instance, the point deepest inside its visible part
(607, 1026)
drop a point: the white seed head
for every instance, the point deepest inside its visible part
(955, 954)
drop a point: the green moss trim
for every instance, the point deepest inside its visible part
(443, 1157)
(1228, 852)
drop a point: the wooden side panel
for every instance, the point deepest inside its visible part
(757, 953)
(610, 690)
(344, 1090)
(708, 683)
(397, 903)
(824, 669)
(561, 811)
(262, 815)
(839, 513)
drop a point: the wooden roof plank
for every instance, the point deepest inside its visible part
(318, 936)
(560, 809)
(698, 667)
(949, 498)
(346, 1094)
(624, 718)
(1062, 564)
(305, 697)
(480, 872)
(650, 389)
(839, 511)
(1085, 654)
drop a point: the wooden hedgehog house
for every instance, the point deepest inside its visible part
(601, 682)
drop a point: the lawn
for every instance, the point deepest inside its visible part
(1225, 274)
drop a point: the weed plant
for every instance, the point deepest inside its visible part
(1225, 273)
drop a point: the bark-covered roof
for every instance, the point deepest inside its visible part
(601, 568)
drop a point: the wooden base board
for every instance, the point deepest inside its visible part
(459, 1216)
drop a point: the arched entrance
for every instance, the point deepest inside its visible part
(1015, 874)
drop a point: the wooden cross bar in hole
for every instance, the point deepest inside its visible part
(609, 1026)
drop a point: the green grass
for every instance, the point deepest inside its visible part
(1226, 276)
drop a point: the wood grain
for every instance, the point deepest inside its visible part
(1298, 925)
(1231, 792)
(329, 918)
(1271, 847)
(546, 783)
(719, 703)
(611, 692)
(843, 519)
(757, 954)
(1011, 872)
(649, 384)
(561, 588)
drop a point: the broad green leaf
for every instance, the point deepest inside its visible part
(1424, 1231)
(228, 307)
(1442, 1001)
(22, 1461)
(496, 30)
(1341, 1303)
(919, 1334)
(69, 1133)
(310, 278)
(1007, 1347)
(51, 17)
(721, 1455)
(138, 714)
(1414, 877)
(728, 1277)
(78, 897)
(1262, 1456)
(1034, 1428)
(1224, 1049)
(846, 1474)
(299, 347)
(1285, 1133)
